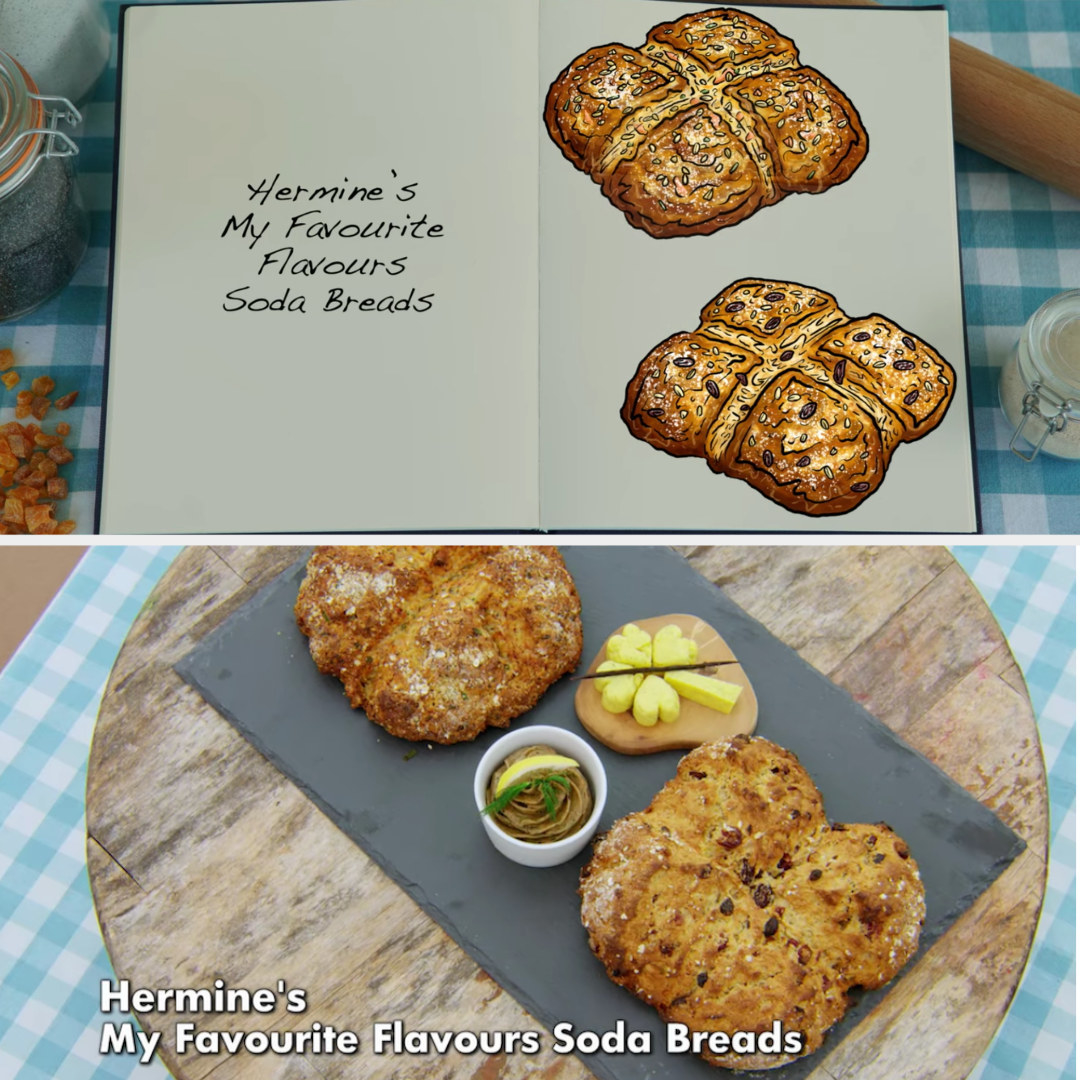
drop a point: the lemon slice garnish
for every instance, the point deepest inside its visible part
(537, 763)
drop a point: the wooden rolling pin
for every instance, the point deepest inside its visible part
(1010, 115)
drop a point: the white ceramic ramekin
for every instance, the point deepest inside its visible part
(564, 742)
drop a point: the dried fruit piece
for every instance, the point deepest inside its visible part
(66, 401)
(13, 512)
(25, 494)
(61, 455)
(39, 407)
(10, 379)
(63, 428)
(56, 487)
(39, 519)
(43, 385)
(7, 359)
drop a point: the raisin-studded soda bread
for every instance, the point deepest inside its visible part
(778, 387)
(730, 902)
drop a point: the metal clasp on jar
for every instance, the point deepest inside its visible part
(58, 111)
(1051, 424)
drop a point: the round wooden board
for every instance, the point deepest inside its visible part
(697, 724)
(206, 863)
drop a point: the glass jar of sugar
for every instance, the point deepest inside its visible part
(43, 226)
(1039, 387)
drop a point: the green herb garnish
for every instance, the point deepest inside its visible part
(546, 784)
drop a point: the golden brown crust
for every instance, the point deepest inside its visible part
(438, 644)
(801, 402)
(676, 394)
(708, 121)
(730, 902)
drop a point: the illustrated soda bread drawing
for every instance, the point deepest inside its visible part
(710, 120)
(731, 903)
(780, 388)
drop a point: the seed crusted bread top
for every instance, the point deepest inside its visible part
(712, 118)
(730, 902)
(439, 643)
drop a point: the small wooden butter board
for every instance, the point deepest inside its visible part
(697, 724)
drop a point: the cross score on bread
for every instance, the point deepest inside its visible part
(712, 119)
(778, 387)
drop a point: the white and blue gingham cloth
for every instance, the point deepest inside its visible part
(1020, 244)
(51, 953)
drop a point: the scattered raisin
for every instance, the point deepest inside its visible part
(730, 837)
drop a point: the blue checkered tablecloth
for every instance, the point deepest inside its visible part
(1020, 245)
(51, 952)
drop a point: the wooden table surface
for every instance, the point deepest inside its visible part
(206, 863)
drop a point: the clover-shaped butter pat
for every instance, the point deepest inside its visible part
(670, 647)
(617, 691)
(656, 700)
(632, 647)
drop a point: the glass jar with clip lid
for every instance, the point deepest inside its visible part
(1040, 383)
(43, 226)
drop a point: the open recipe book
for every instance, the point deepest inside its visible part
(552, 264)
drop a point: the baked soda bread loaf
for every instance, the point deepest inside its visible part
(710, 120)
(778, 387)
(439, 643)
(731, 903)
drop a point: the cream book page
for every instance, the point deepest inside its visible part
(324, 296)
(882, 242)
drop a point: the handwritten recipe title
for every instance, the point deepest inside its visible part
(387, 1037)
(290, 228)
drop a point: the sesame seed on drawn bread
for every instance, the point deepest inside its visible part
(730, 902)
(438, 643)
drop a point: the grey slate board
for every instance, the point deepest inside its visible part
(415, 816)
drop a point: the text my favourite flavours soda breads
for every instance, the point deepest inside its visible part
(779, 387)
(440, 643)
(710, 120)
(730, 902)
